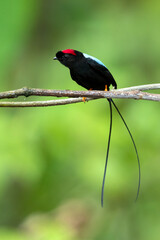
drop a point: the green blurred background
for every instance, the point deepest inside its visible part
(52, 159)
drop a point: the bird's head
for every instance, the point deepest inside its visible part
(68, 57)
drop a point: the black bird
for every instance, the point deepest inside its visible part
(87, 71)
(92, 74)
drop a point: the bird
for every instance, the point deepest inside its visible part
(87, 71)
(90, 73)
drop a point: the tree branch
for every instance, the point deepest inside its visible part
(44, 103)
(124, 93)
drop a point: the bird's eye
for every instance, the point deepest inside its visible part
(66, 56)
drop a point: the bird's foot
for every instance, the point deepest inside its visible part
(84, 99)
(106, 88)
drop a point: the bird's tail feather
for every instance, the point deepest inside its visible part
(108, 147)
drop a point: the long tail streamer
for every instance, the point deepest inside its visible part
(108, 146)
(109, 138)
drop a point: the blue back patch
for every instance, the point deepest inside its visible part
(95, 59)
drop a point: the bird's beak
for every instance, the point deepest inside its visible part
(55, 58)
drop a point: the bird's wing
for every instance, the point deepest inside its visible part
(95, 62)
(96, 66)
(101, 69)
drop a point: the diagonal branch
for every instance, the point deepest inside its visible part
(124, 93)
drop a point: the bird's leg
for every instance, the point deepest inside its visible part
(84, 98)
(106, 88)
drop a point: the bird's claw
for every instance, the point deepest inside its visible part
(84, 99)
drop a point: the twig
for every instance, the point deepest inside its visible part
(124, 93)
(44, 103)
(142, 87)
